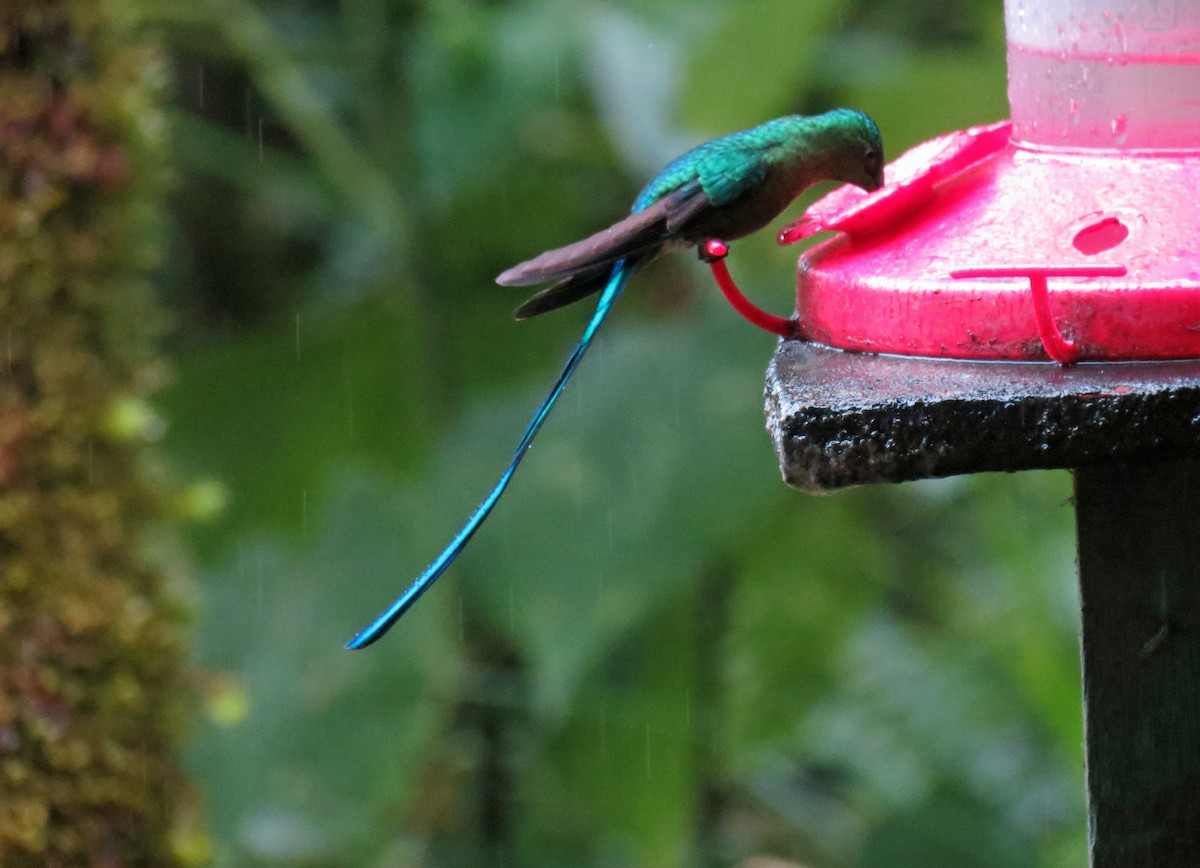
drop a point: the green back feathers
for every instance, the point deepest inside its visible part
(729, 166)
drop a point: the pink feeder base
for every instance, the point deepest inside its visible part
(981, 248)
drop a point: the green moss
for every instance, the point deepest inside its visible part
(92, 696)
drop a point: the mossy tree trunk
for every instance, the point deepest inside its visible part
(91, 657)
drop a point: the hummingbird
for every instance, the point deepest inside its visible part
(722, 190)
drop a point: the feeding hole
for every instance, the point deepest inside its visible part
(1104, 234)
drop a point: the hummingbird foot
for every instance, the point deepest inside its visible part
(712, 250)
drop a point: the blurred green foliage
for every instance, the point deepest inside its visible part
(655, 653)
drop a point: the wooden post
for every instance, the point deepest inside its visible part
(1139, 575)
(1131, 434)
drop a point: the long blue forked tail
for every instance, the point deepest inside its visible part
(375, 630)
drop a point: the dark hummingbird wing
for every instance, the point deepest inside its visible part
(565, 292)
(583, 267)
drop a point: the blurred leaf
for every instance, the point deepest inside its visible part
(475, 76)
(915, 713)
(249, 37)
(616, 784)
(754, 62)
(947, 830)
(275, 415)
(332, 741)
(633, 69)
(801, 590)
(924, 93)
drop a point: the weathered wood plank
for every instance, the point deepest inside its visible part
(840, 418)
(1139, 572)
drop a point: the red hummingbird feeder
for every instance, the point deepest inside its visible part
(1026, 294)
(1071, 232)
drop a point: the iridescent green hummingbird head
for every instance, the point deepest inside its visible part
(857, 149)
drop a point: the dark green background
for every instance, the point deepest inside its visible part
(654, 653)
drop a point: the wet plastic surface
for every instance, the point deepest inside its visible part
(973, 201)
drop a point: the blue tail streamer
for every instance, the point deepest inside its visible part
(377, 628)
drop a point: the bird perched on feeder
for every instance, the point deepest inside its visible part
(724, 189)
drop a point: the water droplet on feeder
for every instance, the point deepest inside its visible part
(1120, 129)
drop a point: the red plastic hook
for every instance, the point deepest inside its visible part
(1057, 347)
(714, 254)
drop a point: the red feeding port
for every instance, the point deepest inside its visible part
(1071, 232)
